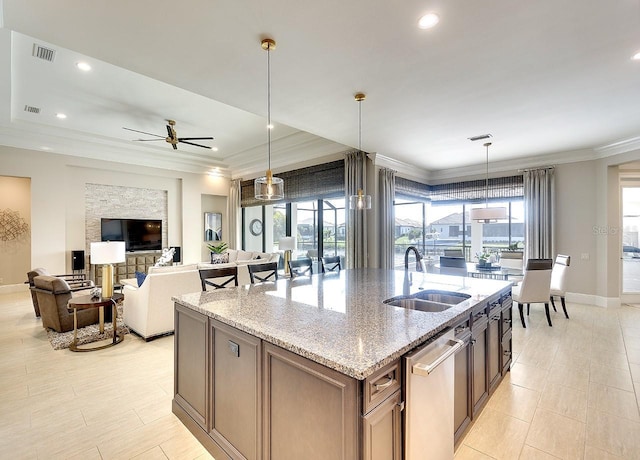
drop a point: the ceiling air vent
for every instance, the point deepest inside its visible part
(480, 137)
(42, 52)
(31, 109)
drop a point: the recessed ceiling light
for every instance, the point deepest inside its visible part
(269, 126)
(62, 116)
(45, 148)
(83, 66)
(636, 57)
(215, 149)
(428, 21)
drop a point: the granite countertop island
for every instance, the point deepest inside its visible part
(340, 320)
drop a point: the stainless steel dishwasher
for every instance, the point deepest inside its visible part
(429, 377)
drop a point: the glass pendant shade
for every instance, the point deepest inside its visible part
(360, 201)
(268, 187)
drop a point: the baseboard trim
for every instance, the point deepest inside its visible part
(11, 288)
(590, 299)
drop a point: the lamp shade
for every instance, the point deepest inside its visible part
(107, 252)
(287, 243)
(488, 214)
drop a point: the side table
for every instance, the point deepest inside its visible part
(86, 301)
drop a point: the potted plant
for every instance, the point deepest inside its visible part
(217, 252)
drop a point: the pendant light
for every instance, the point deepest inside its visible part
(360, 200)
(268, 187)
(488, 214)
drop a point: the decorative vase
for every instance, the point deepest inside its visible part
(482, 263)
(217, 258)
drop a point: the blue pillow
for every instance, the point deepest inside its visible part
(140, 277)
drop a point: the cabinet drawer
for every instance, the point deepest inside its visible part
(380, 385)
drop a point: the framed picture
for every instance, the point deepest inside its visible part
(212, 226)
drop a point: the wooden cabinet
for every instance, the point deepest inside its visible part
(235, 389)
(310, 411)
(507, 320)
(479, 381)
(462, 381)
(382, 430)
(191, 364)
(494, 339)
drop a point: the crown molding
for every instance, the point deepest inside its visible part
(404, 169)
(623, 146)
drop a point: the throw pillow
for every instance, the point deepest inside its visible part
(140, 277)
(219, 258)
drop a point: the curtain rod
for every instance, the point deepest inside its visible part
(537, 169)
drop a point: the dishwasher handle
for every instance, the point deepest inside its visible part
(426, 369)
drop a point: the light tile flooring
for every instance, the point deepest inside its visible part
(571, 393)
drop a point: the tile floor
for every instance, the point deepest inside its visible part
(571, 393)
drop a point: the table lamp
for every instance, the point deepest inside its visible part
(287, 244)
(107, 253)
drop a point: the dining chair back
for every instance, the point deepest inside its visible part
(259, 273)
(218, 278)
(453, 253)
(331, 264)
(558, 281)
(453, 266)
(301, 267)
(535, 287)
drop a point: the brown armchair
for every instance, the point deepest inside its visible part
(76, 282)
(53, 294)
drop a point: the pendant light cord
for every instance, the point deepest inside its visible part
(269, 104)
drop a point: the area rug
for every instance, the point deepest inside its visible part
(87, 334)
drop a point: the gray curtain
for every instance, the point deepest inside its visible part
(234, 214)
(356, 244)
(386, 211)
(539, 210)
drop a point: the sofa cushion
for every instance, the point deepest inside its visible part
(244, 255)
(233, 255)
(173, 268)
(140, 277)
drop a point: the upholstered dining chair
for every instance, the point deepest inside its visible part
(301, 267)
(218, 278)
(535, 287)
(558, 281)
(259, 273)
(331, 264)
(453, 266)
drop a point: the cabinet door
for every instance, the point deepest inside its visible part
(462, 388)
(506, 352)
(480, 384)
(191, 365)
(493, 347)
(235, 403)
(382, 430)
(310, 411)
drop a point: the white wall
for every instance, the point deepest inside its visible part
(57, 201)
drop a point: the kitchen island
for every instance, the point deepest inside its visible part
(310, 368)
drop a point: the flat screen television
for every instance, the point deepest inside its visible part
(137, 234)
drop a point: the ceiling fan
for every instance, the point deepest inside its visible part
(172, 137)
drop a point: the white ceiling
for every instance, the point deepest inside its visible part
(545, 78)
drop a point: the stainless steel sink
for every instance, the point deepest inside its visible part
(416, 304)
(448, 297)
(428, 300)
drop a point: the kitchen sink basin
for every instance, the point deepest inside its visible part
(428, 300)
(418, 304)
(448, 297)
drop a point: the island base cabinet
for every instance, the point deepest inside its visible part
(382, 430)
(235, 391)
(310, 411)
(462, 388)
(191, 364)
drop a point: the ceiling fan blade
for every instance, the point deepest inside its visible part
(197, 145)
(195, 138)
(136, 131)
(147, 140)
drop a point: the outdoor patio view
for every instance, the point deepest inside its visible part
(434, 228)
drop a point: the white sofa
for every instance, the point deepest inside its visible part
(148, 309)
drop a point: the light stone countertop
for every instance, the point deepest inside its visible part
(340, 321)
